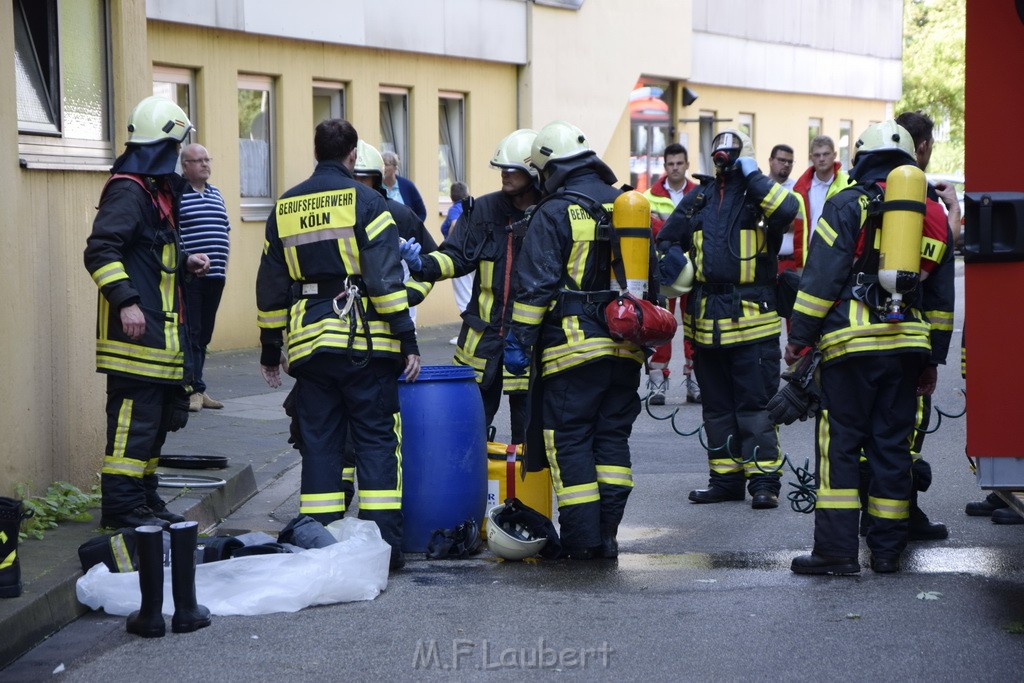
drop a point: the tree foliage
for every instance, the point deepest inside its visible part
(934, 38)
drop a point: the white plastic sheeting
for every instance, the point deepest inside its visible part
(355, 568)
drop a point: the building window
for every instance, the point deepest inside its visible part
(707, 121)
(256, 145)
(62, 84)
(844, 142)
(451, 142)
(813, 131)
(328, 101)
(394, 123)
(177, 85)
(745, 124)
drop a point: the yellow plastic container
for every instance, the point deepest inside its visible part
(534, 491)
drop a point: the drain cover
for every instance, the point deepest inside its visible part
(188, 481)
(194, 462)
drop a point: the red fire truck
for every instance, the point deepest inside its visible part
(994, 245)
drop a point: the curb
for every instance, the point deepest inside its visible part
(50, 568)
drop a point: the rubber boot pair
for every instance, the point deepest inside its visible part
(10, 568)
(189, 616)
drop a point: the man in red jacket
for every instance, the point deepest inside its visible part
(666, 192)
(822, 179)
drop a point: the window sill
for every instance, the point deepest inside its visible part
(256, 213)
(57, 154)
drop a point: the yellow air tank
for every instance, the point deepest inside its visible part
(631, 218)
(899, 265)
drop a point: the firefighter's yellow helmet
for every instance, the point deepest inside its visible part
(557, 141)
(156, 119)
(887, 136)
(515, 151)
(368, 160)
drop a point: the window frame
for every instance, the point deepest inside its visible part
(178, 75)
(54, 149)
(845, 150)
(815, 127)
(336, 91)
(400, 147)
(456, 157)
(258, 208)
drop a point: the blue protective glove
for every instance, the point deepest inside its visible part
(410, 252)
(747, 166)
(517, 356)
(671, 264)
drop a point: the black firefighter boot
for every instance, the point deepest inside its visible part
(188, 616)
(921, 528)
(609, 542)
(148, 620)
(10, 569)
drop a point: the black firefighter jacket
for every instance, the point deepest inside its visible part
(842, 318)
(323, 230)
(561, 259)
(134, 256)
(488, 239)
(731, 227)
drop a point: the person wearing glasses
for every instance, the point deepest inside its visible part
(402, 189)
(205, 229)
(780, 166)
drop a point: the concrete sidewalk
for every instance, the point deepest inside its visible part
(251, 431)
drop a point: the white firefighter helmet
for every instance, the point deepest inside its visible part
(515, 150)
(887, 136)
(682, 284)
(511, 542)
(558, 140)
(729, 145)
(156, 119)
(368, 160)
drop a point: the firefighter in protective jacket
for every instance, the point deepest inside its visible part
(872, 369)
(587, 383)
(331, 279)
(488, 239)
(732, 227)
(134, 256)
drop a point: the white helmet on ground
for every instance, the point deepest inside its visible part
(511, 542)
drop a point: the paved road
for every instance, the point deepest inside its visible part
(699, 593)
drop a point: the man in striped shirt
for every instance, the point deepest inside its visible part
(203, 221)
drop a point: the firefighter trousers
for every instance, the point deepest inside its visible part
(869, 404)
(517, 405)
(736, 383)
(337, 400)
(135, 435)
(588, 413)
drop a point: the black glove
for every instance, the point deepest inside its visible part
(801, 397)
(792, 403)
(175, 414)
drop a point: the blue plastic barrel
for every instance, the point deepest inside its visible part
(444, 447)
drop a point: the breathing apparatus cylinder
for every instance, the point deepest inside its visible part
(631, 316)
(899, 264)
(631, 218)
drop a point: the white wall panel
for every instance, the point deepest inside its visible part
(789, 68)
(491, 30)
